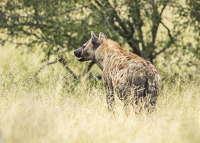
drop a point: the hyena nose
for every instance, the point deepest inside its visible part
(75, 52)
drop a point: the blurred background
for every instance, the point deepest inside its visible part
(165, 32)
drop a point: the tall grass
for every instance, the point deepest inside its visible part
(52, 109)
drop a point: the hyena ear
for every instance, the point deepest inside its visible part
(101, 35)
(94, 38)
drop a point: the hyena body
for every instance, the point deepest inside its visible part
(134, 80)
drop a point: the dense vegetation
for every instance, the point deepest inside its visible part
(55, 104)
(147, 27)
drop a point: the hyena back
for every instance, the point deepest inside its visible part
(134, 80)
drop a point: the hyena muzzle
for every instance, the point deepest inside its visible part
(134, 80)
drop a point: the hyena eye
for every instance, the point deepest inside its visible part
(83, 46)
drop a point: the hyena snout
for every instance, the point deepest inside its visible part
(78, 54)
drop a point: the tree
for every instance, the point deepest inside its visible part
(191, 15)
(138, 22)
(54, 24)
(58, 24)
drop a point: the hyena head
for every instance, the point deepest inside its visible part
(87, 51)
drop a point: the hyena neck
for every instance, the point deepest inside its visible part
(101, 53)
(98, 58)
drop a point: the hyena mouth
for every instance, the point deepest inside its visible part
(80, 58)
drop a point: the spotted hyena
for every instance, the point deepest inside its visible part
(134, 80)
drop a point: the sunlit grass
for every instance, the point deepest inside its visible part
(52, 109)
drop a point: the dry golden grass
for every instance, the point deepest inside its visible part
(50, 109)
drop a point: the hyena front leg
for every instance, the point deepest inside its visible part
(109, 94)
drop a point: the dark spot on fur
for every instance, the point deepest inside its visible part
(128, 58)
(121, 66)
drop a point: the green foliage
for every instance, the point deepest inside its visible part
(51, 23)
(194, 13)
(58, 24)
(189, 14)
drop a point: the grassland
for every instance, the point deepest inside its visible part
(52, 109)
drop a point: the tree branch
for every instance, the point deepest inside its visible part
(139, 25)
(62, 61)
(122, 24)
(45, 65)
(168, 44)
(156, 20)
(164, 6)
(164, 49)
(169, 34)
(41, 67)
